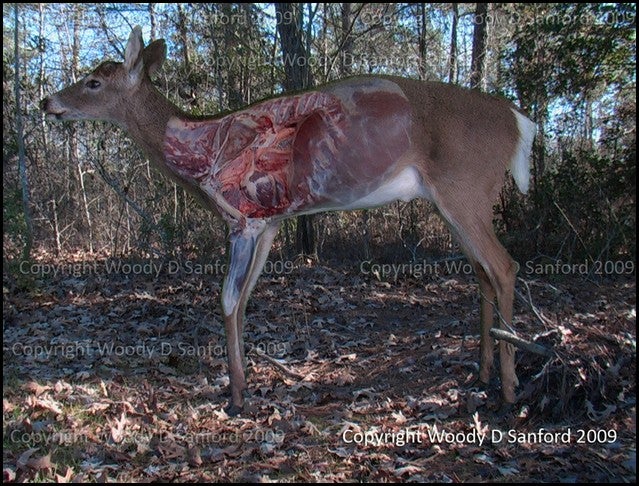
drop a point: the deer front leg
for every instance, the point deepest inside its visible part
(248, 250)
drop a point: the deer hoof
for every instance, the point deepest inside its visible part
(505, 410)
(232, 410)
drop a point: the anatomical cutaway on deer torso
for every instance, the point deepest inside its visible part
(318, 150)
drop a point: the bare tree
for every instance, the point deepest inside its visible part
(297, 76)
(152, 21)
(452, 59)
(479, 46)
(346, 55)
(22, 163)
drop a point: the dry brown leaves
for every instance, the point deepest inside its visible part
(122, 377)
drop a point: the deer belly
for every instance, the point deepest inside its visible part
(405, 186)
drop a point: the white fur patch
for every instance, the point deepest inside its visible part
(407, 185)
(520, 164)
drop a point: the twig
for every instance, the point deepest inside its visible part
(572, 227)
(521, 343)
(544, 320)
(278, 365)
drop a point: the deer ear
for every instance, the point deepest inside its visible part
(154, 55)
(133, 53)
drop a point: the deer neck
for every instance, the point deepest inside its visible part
(146, 122)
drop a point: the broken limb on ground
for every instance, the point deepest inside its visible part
(123, 378)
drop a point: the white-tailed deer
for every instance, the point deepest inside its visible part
(352, 144)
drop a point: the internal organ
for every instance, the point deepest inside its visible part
(292, 153)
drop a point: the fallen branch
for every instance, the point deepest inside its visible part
(278, 365)
(521, 343)
(543, 319)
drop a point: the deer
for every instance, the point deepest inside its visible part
(357, 143)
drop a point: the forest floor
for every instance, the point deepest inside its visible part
(119, 374)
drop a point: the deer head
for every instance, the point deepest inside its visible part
(109, 92)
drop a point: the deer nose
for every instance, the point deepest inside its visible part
(44, 103)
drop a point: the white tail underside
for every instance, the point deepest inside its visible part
(520, 165)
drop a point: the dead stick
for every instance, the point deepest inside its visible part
(521, 343)
(278, 365)
(543, 319)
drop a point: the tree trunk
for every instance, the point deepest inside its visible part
(297, 77)
(22, 162)
(41, 91)
(151, 10)
(421, 32)
(183, 36)
(452, 60)
(479, 47)
(346, 55)
(73, 138)
(289, 26)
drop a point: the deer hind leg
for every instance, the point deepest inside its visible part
(496, 272)
(487, 298)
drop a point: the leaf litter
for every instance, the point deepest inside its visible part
(350, 379)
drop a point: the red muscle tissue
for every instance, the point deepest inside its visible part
(246, 156)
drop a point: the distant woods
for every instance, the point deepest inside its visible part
(85, 187)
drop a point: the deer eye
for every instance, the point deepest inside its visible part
(93, 84)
